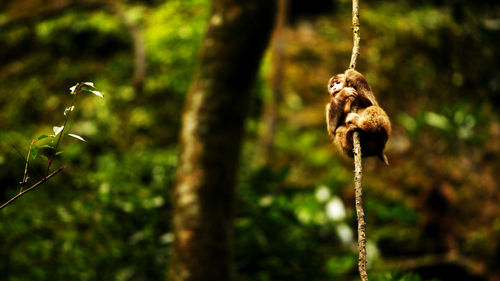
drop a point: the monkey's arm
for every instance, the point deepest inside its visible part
(358, 81)
(332, 118)
(338, 107)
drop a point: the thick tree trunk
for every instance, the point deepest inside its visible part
(213, 125)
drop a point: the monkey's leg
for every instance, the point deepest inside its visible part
(343, 139)
(373, 119)
(375, 129)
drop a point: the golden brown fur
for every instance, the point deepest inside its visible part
(370, 120)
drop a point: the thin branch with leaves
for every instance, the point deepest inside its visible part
(49, 149)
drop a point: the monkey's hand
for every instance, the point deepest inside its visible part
(347, 93)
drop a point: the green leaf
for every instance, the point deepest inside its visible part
(42, 137)
(46, 146)
(76, 137)
(90, 88)
(59, 152)
(57, 130)
(34, 152)
(86, 89)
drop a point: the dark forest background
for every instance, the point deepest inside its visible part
(433, 213)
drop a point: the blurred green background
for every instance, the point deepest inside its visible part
(434, 213)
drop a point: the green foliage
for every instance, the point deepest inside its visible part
(274, 230)
(107, 217)
(395, 212)
(173, 44)
(397, 276)
(50, 148)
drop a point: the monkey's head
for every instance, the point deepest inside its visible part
(336, 83)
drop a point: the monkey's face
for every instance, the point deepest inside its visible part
(336, 84)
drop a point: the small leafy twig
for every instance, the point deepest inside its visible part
(32, 187)
(25, 175)
(11, 143)
(358, 165)
(60, 130)
(84, 87)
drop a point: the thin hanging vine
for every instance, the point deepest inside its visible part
(358, 165)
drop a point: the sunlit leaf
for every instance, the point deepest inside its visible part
(72, 89)
(89, 84)
(68, 109)
(97, 93)
(57, 130)
(76, 137)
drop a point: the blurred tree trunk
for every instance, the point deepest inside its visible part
(139, 46)
(213, 126)
(271, 115)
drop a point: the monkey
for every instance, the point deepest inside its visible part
(348, 91)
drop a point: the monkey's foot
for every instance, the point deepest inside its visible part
(352, 119)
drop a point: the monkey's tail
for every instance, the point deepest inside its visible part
(383, 158)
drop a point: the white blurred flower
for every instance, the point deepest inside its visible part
(345, 233)
(335, 209)
(372, 252)
(322, 193)
(167, 238)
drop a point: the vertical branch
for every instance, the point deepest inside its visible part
(360, 214)
(358, 165)
(355, 33)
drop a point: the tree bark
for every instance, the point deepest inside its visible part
(212, 130)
